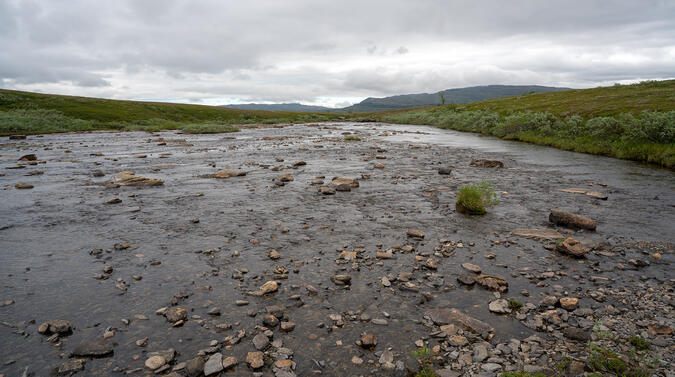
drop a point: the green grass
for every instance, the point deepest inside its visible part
(639, 343)
(635, 122)
(515, 304)
(474, 198)
(352, 138)
(521, 374)
(34, 113)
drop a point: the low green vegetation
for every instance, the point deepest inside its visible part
(352, 138)
(635, 122)
(423, 356)
(522, 374)
(639, 342)
(515, 304)
(474, 198)
(34, 113)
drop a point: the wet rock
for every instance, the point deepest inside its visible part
(500, 306)
(229, 362)
(466, 279)
(287, 326)
(175, 314)
(270, 321)
(387, 360)
(260, 341)
(255, 360)
(591, 193)
(97, 348)
(458, 341)
(17, 137)
(214, 364)
(570, 219)
(368, 341)
(380, 165)
(445, 171)
(154, 362)
(142, 342)
(55, 326)
(493, 283)
(114, 201)
(352, 182)
(481, 163)
(28, 157)
(273, 254)
(415, 233)
(341, 279)
(480, 353)
(548, 234)
(569, 303)
(194, 367)
(572, 247)
(491, 367)
(287, 177)
(317, 181)
(326, 190)
(447, 316)
(23, 186)
(223, 174)
(576, 333)
(548, 301)
(471, 267)
(270, 286)
(385, 282)
(447, 372)
(299, 164)
(128, 178)
(140, 155)
(214, 311)
(343, 187)
(70, 367)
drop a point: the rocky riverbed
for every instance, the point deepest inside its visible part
(242, 254)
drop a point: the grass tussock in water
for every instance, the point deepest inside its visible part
(642, 136)
(474, 198)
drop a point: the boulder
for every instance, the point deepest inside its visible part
(128, 178)
(447, 316)
(572, 247)
(570, 219)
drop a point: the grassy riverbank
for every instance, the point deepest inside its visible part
(34, 113)
(635, 122)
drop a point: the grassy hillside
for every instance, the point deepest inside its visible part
(634, 122)
(29, 113)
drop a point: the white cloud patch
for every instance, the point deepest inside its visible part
(326, 52)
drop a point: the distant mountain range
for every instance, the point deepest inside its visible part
(405, 101)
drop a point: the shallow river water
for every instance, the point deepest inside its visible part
(49, 231)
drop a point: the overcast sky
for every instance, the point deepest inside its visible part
(326, 52)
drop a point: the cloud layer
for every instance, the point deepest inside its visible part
(326, 52)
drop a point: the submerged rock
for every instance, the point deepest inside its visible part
(570, 219)
(572, 247)
(591, 193)
(352, 182)
(486, 163)
(549, 234)
(55, 326)
(128, 178)
(222, 174)
(447, 316)
(93, 349)
(493, 283)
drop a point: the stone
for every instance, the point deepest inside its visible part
(299, 163)
(229, 362)
(547, 234)
(175, 314)
(287, 326)
(255, 360)
(572, 247)
(270, 286)
(23, 186)
(380, 165)
(500, 306)
(154, 362)
(270, 320)
(481, 163)
(341, 279)
(352, 182)
(591, 193)
(444, 171)
(471, 267)
(17, 137)
(70, 367)
(573, 220)
(548, 301)
(260, 341)
(55, 326)
(344, 187)
(28, 157)
(325, 190)
(273, 254)
(222, 174)
(368, 341)
(480, 353)
(576, 333)
(214, 364)
(447, 316)
(458, 341)
(415, 233)
(194, 367)
(491, 367)
(287, 177)
(493, 283)
(466, 279)
(128, 178)
(93, 349)
(569, 303)
(447, 372)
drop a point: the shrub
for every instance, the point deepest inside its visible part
(639, 342)
(473, 198)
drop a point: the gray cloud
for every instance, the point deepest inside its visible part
(329, 52)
